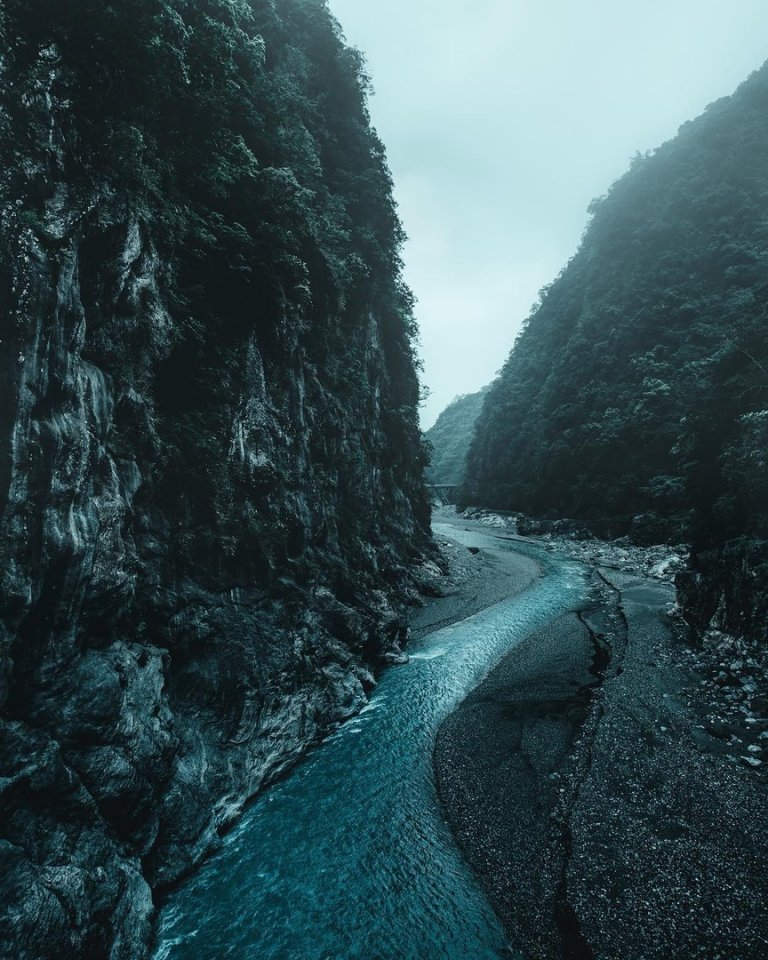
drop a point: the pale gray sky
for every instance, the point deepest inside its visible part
(503, 119)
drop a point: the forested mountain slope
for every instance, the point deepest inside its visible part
(639, 385)
(210, 462)
(451, 436)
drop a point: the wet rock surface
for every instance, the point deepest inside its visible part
(724, 590)
(589, 794)
(508, 770)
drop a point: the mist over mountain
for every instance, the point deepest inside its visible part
(635, 398)
(215, 530)
(450, 438)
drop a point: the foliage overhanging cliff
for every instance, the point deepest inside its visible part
(639, 385)
(210, 464)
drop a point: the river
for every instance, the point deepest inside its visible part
(349, 858)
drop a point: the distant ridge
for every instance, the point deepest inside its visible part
(451, 436)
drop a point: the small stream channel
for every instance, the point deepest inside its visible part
(349, 857)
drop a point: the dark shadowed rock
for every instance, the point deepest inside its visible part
(210, 465)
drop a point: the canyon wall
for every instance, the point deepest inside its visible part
(210, 465)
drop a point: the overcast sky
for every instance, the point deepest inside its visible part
(503, 119)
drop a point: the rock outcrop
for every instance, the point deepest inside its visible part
(726, 589)
(210, 466)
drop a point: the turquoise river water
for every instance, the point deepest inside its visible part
(348, 858)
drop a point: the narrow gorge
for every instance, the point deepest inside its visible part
(283, 676)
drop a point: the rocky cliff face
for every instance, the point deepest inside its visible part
(210, 468)
(725, 589)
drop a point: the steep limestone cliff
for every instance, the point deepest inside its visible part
(210, 466)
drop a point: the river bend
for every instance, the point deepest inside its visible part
(349, 857)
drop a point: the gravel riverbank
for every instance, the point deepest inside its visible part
(602, 816)
(478, 571)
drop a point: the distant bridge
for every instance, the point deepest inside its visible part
(444, 492)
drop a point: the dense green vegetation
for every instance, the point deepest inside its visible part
(237, 134)
(635, 397)
(599, 411)
(450, 437)
(724, 450)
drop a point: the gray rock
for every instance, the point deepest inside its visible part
(205, 529)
